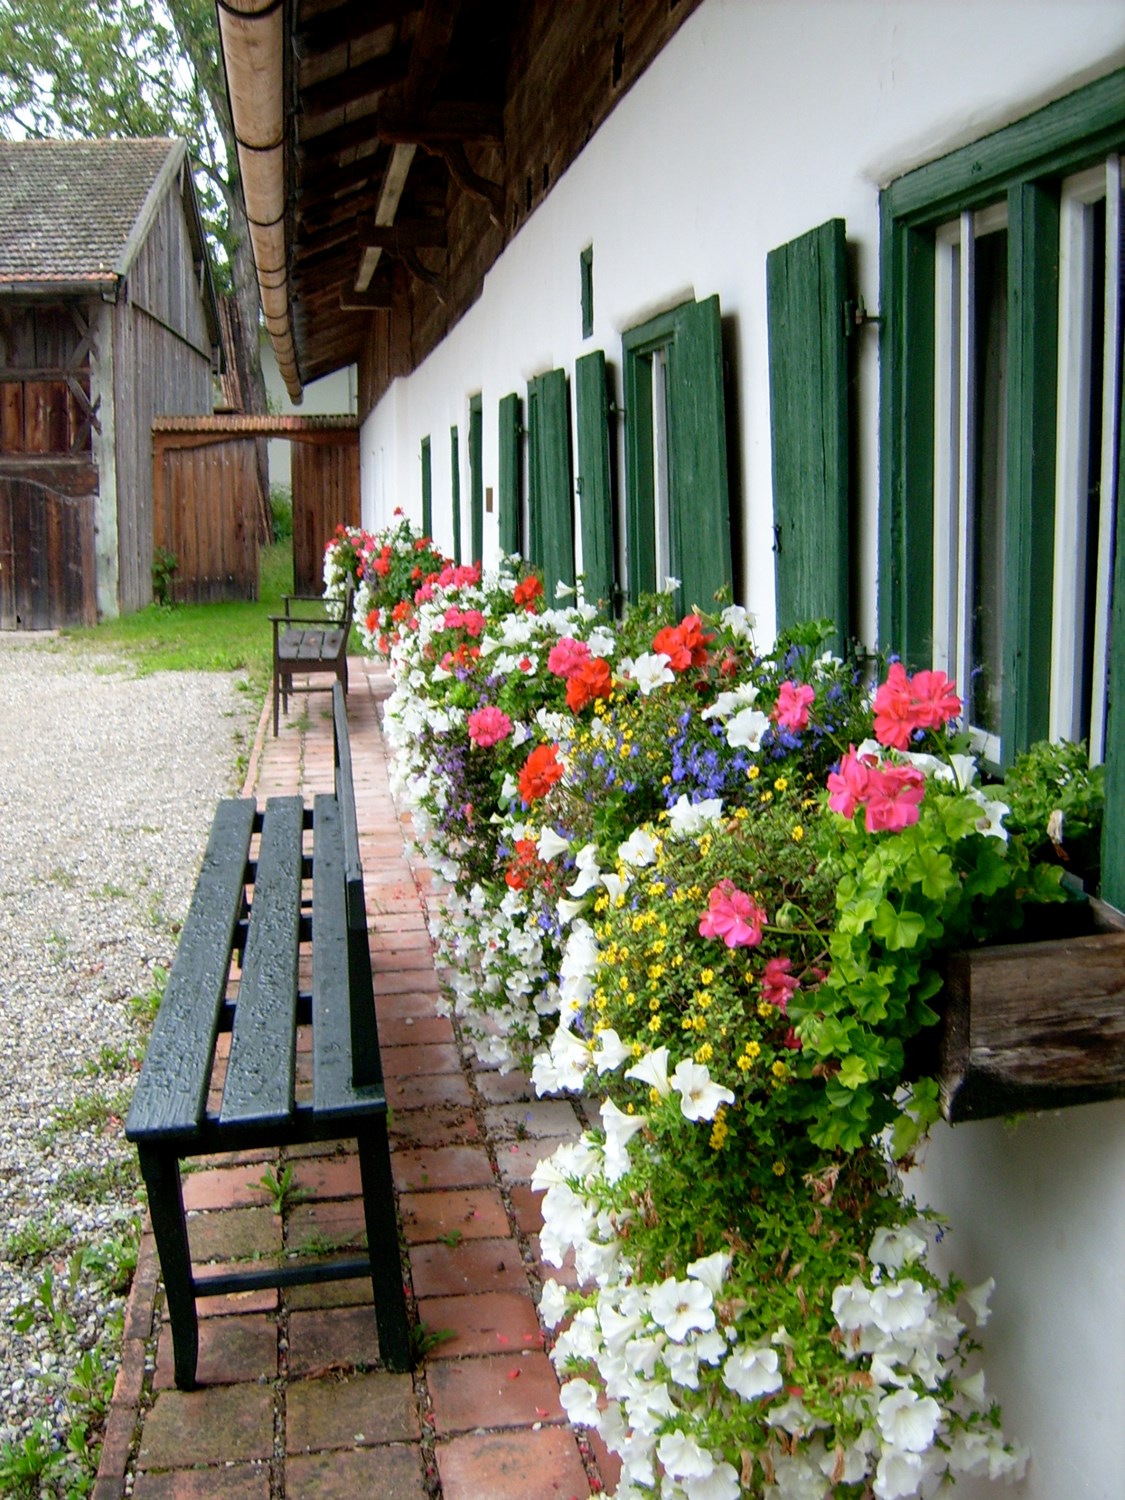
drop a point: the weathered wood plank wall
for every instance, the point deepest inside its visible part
(161, 366)
(325, 478)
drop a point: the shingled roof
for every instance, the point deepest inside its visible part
(73, 213)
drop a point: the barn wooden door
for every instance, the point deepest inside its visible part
(47, 566)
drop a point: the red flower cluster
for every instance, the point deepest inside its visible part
(684, 644)
(791, 711)
(527, 594)
(593, 679)
(523, 864)
(903, 704)
(540, 772)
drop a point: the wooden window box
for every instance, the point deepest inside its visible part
(1036, 1024)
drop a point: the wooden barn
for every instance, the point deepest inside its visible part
(107, 318)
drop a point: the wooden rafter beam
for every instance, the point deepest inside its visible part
(411, 234)
(374, 299)
(367, 81)
(316, 189)
(317, 151)
(446, 122)
(349, 23)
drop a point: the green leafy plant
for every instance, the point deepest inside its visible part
(27, 1464)
(424, 1339)
(284, 1190)
(165, 566)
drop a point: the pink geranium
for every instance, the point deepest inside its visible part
(567, 657)
(848, 787)
(488, 726)
(904, 704)
(893, 799)
(791, 711)
(732, 916)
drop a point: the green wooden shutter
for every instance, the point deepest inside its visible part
(509, 479)
(427, 489)
(640, 488)
(476, 477)
(1029, 517)
(534, 465)
(1113, 828)
(552, 485)
(699, 497)
(595, 493)
(455, 464)
(806, 288)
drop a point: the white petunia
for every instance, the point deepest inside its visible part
(992, 815)
(653, 1070)
(589, 875)
(892, 1248)
(602, 642)
(551, 844)
(552, 1303)
(731, 702)
(908, 1421)
(687, 818)
(620, 1129)
(746, 729)
(580, 1402)
(670, 585)
(679, 1306)
(610, 1051)
(899, 1475)
(649, 671)
(899, 1306)
(568, 910)
(721, 1484)
(752, 1371)
(638, 850)
(700, 1096)
(711, 1270)
(682, 1456)
(739, 621)
(977, 1298)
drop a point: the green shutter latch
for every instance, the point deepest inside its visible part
(856, 316)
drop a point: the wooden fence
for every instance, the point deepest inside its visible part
(210, 514)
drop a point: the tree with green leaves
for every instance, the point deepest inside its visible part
(71, 70)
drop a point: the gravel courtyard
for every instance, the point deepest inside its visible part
(108, 783)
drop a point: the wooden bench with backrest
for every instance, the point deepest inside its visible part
(308, 645)
(280, 895)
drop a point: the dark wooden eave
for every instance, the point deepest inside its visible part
(419, 135)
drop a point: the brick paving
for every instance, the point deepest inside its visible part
(294, 1402)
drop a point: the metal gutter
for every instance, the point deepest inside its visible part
(252, 34)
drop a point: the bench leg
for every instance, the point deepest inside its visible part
(276, 693)
(382, 1245)
(161, 1173)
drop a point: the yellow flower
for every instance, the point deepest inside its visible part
(797, 833)
(779, 1069)
(707, 976)
(654, 1024)
(765, 1009)
(700, 1023)
(754, 772)
(752, 1049)
(779, 1169)
(654, 1003)
(781, 784)
(745, 1063)
(705, 1053)
(703, 999)
(719, 1130)
(766, 797)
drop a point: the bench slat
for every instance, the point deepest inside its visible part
(332, 1042)
(260, 1071)
(171, 1092)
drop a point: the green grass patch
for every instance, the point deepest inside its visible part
(232, 636)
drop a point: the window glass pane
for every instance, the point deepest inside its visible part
(989, 401)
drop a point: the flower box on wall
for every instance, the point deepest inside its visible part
(1037, 1024)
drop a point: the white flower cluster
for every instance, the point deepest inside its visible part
(672, 1360)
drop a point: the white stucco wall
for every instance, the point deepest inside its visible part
(759, 121)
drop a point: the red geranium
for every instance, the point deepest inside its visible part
(593, 679)
(540, 772)
(685, 644)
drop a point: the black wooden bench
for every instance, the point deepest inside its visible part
(310, 645)
(280, 887)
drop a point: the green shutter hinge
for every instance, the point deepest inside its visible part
(615, 410)
(856, 316)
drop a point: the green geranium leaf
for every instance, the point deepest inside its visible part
(898, 929)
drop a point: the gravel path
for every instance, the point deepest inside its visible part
(108, 783)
